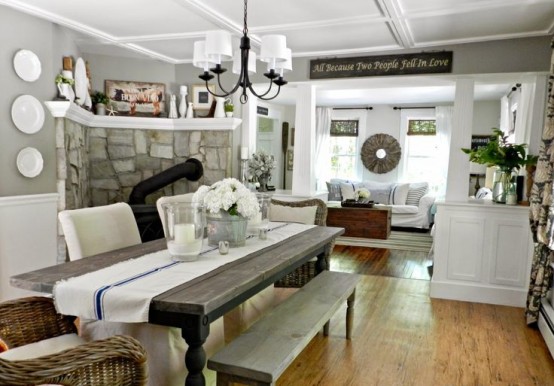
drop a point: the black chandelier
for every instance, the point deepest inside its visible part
(217, 47)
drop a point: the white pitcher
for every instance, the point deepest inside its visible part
(219, 107)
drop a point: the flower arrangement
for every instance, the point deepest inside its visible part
(229, 195)
(261, 163)
(361, 193)
(498, 152)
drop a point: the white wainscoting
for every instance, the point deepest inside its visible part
(28, 238)
(483, 253)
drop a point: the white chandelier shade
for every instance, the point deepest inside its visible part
(274, 49)
(285, 65)
(218, 46)
(199, 58)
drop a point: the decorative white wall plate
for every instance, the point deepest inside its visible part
(81, 82)
(29, 162)
(27, 65)
(28, 114)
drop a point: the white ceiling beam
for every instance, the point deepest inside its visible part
(213, 16)
(463, 7)
(397, 24)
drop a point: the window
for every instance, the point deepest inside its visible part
(421, 149)
(343, 144)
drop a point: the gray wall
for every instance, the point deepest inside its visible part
(499, 56)
(18, 31)
(104, 67)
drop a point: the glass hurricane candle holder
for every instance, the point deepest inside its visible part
(184, 230)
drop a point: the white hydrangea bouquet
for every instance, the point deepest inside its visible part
(261, 163)
(361, 193)
(228, 195)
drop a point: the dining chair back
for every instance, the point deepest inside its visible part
(89, 231)
(43, 348)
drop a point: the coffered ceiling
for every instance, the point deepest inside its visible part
(167, 29)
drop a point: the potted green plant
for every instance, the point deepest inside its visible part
(99, 101)
(507, 157)
(229, 108)
(64, 87)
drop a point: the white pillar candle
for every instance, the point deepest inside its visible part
(244, 152)
(184, 233)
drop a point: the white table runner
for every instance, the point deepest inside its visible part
(123, 291)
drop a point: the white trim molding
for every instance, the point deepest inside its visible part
(69, 110)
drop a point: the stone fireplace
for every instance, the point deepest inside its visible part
(101, 159)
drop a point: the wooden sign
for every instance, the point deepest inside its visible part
(404, 64)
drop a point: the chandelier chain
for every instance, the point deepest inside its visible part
(245, 28)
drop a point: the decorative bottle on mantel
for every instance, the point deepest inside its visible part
(183, 102)
(219, 107)
(173, 107)
(190, 110)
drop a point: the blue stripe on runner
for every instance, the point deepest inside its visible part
(100, 293)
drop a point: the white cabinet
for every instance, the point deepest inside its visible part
(482, 252)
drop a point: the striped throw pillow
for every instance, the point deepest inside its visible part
(415, 193)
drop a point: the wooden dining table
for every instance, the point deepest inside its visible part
(192, 306)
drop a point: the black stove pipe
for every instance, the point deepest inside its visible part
(191, 169)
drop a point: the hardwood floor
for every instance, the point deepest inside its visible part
(402, 337)
(381, 262)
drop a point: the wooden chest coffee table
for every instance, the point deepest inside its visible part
(373, 223)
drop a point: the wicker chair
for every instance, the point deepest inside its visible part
(119, 360)
(307, 271)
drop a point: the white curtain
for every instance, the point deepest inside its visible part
(505, 114)
(524, 120)
(322, 133)
(444, 131)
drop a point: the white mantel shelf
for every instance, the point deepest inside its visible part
(69, 110)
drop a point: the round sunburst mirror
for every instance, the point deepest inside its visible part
(381, 153)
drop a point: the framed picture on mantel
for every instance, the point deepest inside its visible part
(136, 98)
(201, 98)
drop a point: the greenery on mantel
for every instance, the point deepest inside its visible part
(499, 152)
(99, 97)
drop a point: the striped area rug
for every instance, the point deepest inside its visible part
(407, 241)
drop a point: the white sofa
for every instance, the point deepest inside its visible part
(410, 202)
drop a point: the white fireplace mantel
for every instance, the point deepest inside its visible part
(69, 110)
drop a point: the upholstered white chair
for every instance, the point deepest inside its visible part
(90, 231)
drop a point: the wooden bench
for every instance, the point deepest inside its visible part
(261, 354)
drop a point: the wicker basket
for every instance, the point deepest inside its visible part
(307, 271)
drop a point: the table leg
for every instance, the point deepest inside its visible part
(322, 263)
(195, 331)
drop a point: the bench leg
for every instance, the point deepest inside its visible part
(350, 314)
(326, 328)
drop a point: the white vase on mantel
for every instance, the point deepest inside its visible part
(219, 107)
(190, 111)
